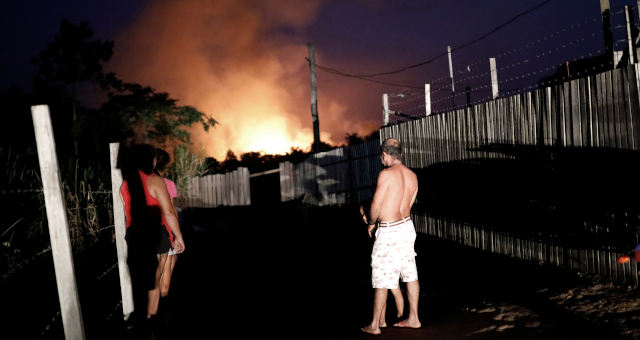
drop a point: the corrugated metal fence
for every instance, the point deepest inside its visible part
(344, 175)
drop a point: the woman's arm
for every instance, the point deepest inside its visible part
(157, 189)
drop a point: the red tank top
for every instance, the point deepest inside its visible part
(151, 201)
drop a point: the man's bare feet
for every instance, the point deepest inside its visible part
(408, 324)
(369, 330)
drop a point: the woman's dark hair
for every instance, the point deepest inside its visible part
(132, 160)
(162, 159)
(142, 156)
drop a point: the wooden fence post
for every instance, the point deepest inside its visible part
(494, 78)
(58, 224)
(286, 181)
(427, 99)
(385, 109)
(453, 86)
(631, 36)
(120, 227)
(246, 186)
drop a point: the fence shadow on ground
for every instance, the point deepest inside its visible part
(579, 197)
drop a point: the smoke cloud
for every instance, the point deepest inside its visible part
(241, 62)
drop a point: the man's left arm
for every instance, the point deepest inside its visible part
(376, 204)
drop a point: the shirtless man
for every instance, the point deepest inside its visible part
(393, 255)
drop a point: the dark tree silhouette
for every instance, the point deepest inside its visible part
(69, 60)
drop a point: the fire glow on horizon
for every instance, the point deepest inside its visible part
(226, 59)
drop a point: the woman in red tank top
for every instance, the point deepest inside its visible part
(149, 211)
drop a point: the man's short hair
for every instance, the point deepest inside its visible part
(392, 147)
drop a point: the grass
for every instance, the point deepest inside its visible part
(24, 236)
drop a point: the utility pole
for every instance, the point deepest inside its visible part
(453, 87)
(605, 9)
(314, 98)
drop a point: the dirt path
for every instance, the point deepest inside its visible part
(304, 274)
(294, 274)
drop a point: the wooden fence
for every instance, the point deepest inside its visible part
(230, 189)
(344, 175)
(599, 112)
(537, 249)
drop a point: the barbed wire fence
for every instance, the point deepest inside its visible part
(532, 64)
(520, 69)
(39, 263)
(107, 277)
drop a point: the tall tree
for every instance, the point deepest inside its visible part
(154, 117)
(70, 59)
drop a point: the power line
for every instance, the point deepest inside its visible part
(494, 30)
(381, 81)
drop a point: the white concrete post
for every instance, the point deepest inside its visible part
(120, 227)
(58, 224)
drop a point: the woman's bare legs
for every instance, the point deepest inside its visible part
(165, 280)
(154, 294)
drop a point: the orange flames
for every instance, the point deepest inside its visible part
(227, 59)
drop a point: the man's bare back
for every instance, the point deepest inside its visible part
(395, 193)
(401, 193)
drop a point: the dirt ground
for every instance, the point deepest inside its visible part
(293, 273)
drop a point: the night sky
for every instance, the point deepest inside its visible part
(243, 62)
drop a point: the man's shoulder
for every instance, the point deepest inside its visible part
(385, 172)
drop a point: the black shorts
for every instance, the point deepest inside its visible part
(164, 244)
(149, 239)
(144, 243)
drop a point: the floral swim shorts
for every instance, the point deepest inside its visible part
(393, 256)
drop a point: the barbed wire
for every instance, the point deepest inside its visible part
(105, 228)
(544, 54)
(110, 315)
(555, 67)
(26, 261)
(533, 42)
(538, 84)
(519, 77)
(617, 27)
(33, 191)
(47, 328)
(409, 110)
(404, 97)
(371, 76)
(104, 274)
(530, 44)
(620, 11)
